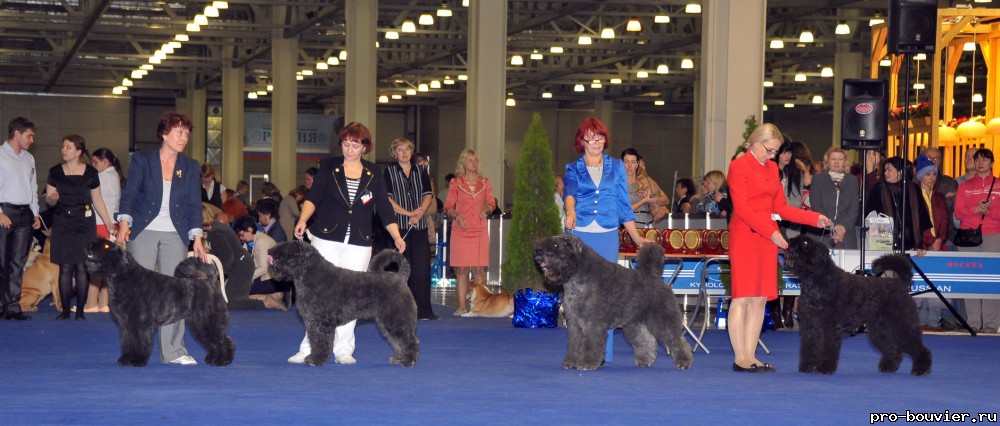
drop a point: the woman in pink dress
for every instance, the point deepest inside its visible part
(470, 201)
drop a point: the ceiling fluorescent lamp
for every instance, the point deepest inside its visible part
(817, 99)
(578, 88)
(422, 87)
(608, 32)
(463, 77)
(426, 19)
(307, 72)
(535, 56)
(616, 81)
(516, 60)
(220, 4)
(777, 44)
(408, 27)
(444, 12)
(546, 95)
(584, 40)
(211, 11)
(200, 20)
(435, 84)
(969, 46)
(687, 63)
(252, 95)
(806, 37)
(659, 102)
(826, 72)
(633, 25)
(768, 83)
(383, 99)
(961, 79)
(842, 29)
(182, 37)
(885, 62)
(322, 65)
(918, 86)
(193, 28)
(556, 49)
(662, 69)
(800, 77)
(661, 19)
(641, 74)
(391, 35)
(397, 97)
(692, 8)
(333, 60)
(411, 92)
(789, 105)
(511, 102)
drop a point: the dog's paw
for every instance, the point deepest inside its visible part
(407, 362)
(569, 364)
(683, 365)
(315, 360)
(131, 361)
(470, 314)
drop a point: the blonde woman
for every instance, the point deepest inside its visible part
(713, 197)
(470, 201)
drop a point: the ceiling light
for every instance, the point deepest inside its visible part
(211, 11)
(342, 55)
(826, 72)
(633, 25)
(167, 48)
(516, 60)
(426, 19)
(661, 19)
(918, 86)
(806, 37)
(578, 88)
(789, 105)
(641, 74)
(252, 95)
(307, 72)
(333, 60)
(391, 35)
(270, 87)
(877, 19)
(220, 4)
(435, 84)
(777, 44)
(978, 97)
(465, 3)
(175, 44)
(397, 97)
(659, 102)
(546, 95)
(463, 77)
(885, 62)
(444, 12)
(200, 20)
(118, 90)
(136, 74)
(920, 57)
(536, 56)
(961, 79)
(608, 32)
(262, 93)
(511, 102)
(160, 55)
(616, 81)
(322, 65)
(300, 77)
(383, 99)
(969, 46)
(842, 29)
(982, 1)
(768, 83)
(662, 69)
(154, 59)
(800, 77)
(422, 87)
(181, 37)
(687, 63)
(408, 27)
(193, 28)
(692, 8)
(556, 49)
(596, 84)
(584, 40)
(817, 99)
(146, 67)
(448, 80)
(126, 82)
(764, 108)
(411, 92)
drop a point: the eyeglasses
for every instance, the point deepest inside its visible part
(594, 139)
(770, 151)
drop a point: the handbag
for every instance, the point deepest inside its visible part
(879, 231)
(972, 237)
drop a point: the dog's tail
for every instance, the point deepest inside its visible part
(390, 261)
(193, 267)
(897, 263)
(650, 260)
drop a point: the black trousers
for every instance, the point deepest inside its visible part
(418, 253)
(14, 245)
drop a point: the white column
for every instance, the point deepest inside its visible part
(362, 73)
(732, 75)
(233, 95)
(284, 104)
(487, 88)
(193, 105)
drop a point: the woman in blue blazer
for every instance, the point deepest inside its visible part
(597, 199)
(160, 212)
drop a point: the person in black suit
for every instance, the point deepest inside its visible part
(346, 194)
(267, 215)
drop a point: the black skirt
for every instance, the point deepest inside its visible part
(73, 228)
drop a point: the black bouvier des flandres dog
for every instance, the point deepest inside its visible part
(328, 296)
(599, 295)
(143, 300)
(834, 301)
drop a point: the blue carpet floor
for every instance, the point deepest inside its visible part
(471, 371)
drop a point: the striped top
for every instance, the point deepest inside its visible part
(407, 192)
(352, 193)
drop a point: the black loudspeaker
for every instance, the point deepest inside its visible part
(912, 26)
(864, 122)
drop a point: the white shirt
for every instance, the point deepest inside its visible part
(17, 174)
(111, 191)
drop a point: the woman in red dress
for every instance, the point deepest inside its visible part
(754, 239)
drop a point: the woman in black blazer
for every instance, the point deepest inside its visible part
(346, 193)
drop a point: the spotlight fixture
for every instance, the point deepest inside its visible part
(800, 77)
(661, 19)
(662, 69)
(422, 87)
(659, 102)
(396, 97)
(969, 46)
(920, 57)
(578, 88)
(535, 56)
(118, 90)
(641, 74)
(789, 105)
(322, 65)
(182, 37)
(777, 44)
(391, 35)
(220, 4)
(137, 74)
(842, 29)
(877, 19)
(616, 81)
(463, 77)
(556, 49)
(448, 81)
(608, 32)
(961, 79)
(262, 93)
(426, 19)
(918, 86)
(687, 63)
(307, 72)
(633, 25)
(270, 87)
(383, 99)
(978, 97)
(596, 84)
(768, 83)
(342, 55)
(252, 95)
(435, 84)
(817, 99)
(192, 28)
(885, 62)
(444, 12)
(147, 67)
(211, 11)
(764, 108)
(201, 19)
(806, 37)
(516, 60)
(300, 77)
(826, 72)
(333, 60)
(411, 92)
(408, 27)
(546, 95)
(584, 40)
(511, 102)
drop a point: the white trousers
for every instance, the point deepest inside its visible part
(346, 256)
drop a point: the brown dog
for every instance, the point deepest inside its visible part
(488, 304)
(40, 280)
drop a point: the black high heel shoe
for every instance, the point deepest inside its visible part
(753, 368)
(63, 316)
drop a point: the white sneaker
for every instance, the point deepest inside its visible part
(346, 360)
(298, 358)
(184, 360)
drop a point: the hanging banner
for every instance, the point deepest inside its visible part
(313, 132)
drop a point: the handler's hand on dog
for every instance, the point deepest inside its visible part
(123, 233)
(400, 245)
(778, 240)
(300, 230)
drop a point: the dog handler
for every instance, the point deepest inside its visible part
(18, 213)
(160, 212)
(346, 193)
(754, 240)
